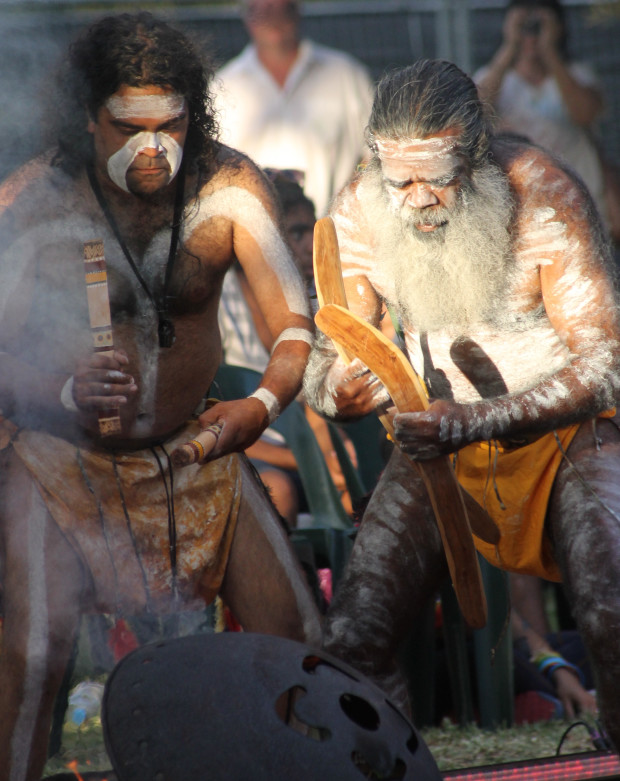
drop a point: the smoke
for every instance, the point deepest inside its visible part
(31, 45)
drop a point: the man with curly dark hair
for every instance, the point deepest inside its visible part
(114, 248)
(113, 54)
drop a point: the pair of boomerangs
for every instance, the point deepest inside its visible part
(456, 512)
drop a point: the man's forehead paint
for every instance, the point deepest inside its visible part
(146, 106)
(416, 150)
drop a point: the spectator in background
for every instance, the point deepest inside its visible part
(299, 219)
(539, 92)
(293, 103)
(553, 664)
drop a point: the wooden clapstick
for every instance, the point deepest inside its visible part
(385, 360)
(100, 321)
(196, 449)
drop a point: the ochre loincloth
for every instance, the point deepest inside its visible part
(113, 510)
(514, 486)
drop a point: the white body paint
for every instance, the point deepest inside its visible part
(240, 206)
(136, 107)
(66, 396)
(416, 150)
(518, 335)
(270, 401)
(119, 162)
(294, 335)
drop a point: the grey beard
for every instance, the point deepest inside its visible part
(455, 275)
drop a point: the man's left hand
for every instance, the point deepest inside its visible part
(437, 431)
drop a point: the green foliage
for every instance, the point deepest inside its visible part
(456, 747)
(452, 746)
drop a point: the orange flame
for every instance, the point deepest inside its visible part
(73, 766)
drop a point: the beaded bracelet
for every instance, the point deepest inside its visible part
(548, 662)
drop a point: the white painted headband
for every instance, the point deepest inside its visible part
(162, 107)
(415, 150)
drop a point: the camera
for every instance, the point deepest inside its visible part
(531, 26)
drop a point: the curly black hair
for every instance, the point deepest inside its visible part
(138, 50)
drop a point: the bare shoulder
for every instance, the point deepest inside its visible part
(236, 170)
(237, 200)
(539, 179)
(38, 193)
(350, 200)
(555, 221)
(29, 178)
(350, 208)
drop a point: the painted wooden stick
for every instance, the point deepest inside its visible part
(100, 321)
(195, 450)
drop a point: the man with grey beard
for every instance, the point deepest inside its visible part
(492, 256)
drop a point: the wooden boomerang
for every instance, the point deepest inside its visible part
(329, 282)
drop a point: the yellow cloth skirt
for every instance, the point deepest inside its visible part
(514, 486)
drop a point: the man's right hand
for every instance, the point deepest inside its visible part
(101, 382)
(513, 28)
(355, 390)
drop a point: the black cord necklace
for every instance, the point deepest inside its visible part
(165, 326)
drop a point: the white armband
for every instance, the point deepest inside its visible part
(269, 400)
(292, 335)
(66, 396)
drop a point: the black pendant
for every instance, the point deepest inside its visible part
(166, 332)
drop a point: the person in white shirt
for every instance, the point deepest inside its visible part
(289, 102)
(538, 92)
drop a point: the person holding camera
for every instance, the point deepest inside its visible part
(539, 92)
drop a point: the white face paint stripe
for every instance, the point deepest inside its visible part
(119, 162)
(294, 335)
(165, 107)
(240, 206)
(415, 150)
(37, 649)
